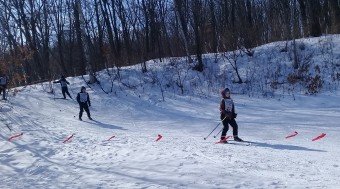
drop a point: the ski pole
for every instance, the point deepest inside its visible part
(218, 133)
(215, 128)
(212, 131)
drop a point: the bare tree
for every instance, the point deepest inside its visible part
(66, 36)
(197, 24)
(232, 59)
(182, 10)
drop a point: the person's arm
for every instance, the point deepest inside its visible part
(57, 81)
(222, 107)
(78, 98)
(88, 99)
(233, 110)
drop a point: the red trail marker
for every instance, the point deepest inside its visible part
(159, 137)
(110, 138)
(15, 136)
(68, 138)
(319, 137)
(292, 135)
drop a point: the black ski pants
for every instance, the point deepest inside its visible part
(3, 91)
(226, 122)
(64, 90)
(83, 106)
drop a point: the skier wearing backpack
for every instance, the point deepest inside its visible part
(83, 99)
(63, 82)
(228, 115)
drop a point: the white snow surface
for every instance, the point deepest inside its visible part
(181, 158)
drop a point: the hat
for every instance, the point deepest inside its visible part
(82, 88)
(224, 91)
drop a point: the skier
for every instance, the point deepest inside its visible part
(3, 86)
(63, 82)
(228, 115)
(83, 98)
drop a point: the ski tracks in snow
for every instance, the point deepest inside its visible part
(133, 159)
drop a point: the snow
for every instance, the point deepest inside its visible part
(181, 158)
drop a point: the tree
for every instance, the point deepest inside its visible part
(182, 9)
(197, 24)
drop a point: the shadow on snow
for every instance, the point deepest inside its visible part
(285, 147)
(104, 125)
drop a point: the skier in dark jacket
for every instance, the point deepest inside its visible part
(63, 82)
(3, 86)
(83, 98)
(228, 115)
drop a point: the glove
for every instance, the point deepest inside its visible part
(235, 115)
(89, 105)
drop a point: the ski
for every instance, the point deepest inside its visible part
(85, 120)
(60, 98)
(243, 143)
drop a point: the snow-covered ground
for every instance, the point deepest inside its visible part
(181, 158)
(134, 115)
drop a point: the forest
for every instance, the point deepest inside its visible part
(43, 39)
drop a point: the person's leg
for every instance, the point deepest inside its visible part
(86, 108)
(225, 127)
(68, 93)
(234, 125)
(235, 130)
(224, 132)
(3, 89)
(81, 110)
(4, 94)
(63, 90)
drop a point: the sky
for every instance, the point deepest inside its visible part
(119, 148)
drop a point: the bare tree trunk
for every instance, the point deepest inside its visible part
(315, 27)
(147, 35)
(59, 29)
(197, 24)
(122, 15)
(79, 34)
(183, 23)
(295, 62)
(106, 17)
(101, 54)
(334, 7)
(45, 41)
(83, 45)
